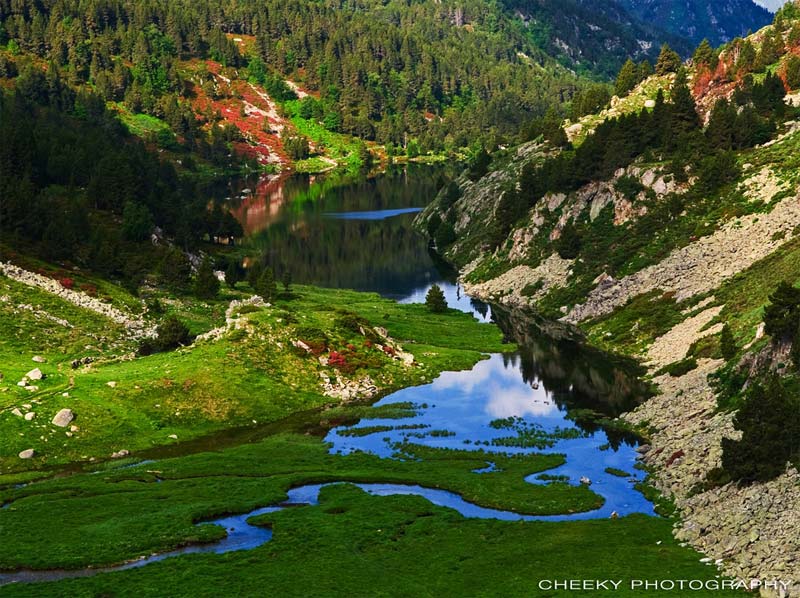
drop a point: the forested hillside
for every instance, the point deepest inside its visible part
(444, 72)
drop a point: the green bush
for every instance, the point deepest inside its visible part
(171, 333)
(680, 368)
(769, 420)
(727, 343)
(529, 290)
(569, 244)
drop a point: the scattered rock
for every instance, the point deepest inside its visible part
(39, 359)
(111, 384)
(16, 412)
(63, 418)
(34, 374)
(27, 454)
(173, 436)
(30, 415)
(120, 454)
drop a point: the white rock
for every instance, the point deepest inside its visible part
(111, 384)
(173, 436)
(29, 416)
(120, 454)
(649, 103)
(39, 359)
(27, 454)
(63, 418)
(35, 374)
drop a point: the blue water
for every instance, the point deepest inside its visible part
(464, 404)
(371, 215)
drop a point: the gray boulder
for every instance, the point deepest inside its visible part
(63, 418)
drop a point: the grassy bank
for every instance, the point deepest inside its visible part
(251, 375)
(351, 544)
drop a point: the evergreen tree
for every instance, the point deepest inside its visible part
(645, 70)
(568, 245)
(704, 55)
(782, 315)
(287, 280)
(175, 270)
(668, 61)
(254, 271)
(137, 222)
(683, 112)
(206, 283)
(627, 78)
(769, 420)
(266, 286)
(435, 300)
(793, 71)
(233, 274)
(172, 333)
(727, 343)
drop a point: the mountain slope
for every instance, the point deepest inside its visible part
(671, 233)
(591, 37)
(719, 21)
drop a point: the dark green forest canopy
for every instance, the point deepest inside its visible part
(444, 72)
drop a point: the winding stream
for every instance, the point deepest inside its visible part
(360, 236)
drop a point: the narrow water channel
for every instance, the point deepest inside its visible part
(359, 235)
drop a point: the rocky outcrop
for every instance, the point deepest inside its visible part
(552, 272)
(232, 319)
(136, 326)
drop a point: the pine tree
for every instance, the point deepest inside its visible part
(233, 274)
(569, 243)
(287, 280)
(668, 61)
(782, 315)
(266, 286)
(206, 283)
(435, 300)
(704, 54)
(254, 271)
(793, 71)
(627, 78)
(683, 110)
(769, 420)
(175, 270)
(727, 343)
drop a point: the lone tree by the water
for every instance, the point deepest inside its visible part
(435, 300)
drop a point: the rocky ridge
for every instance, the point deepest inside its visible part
(136, 326)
